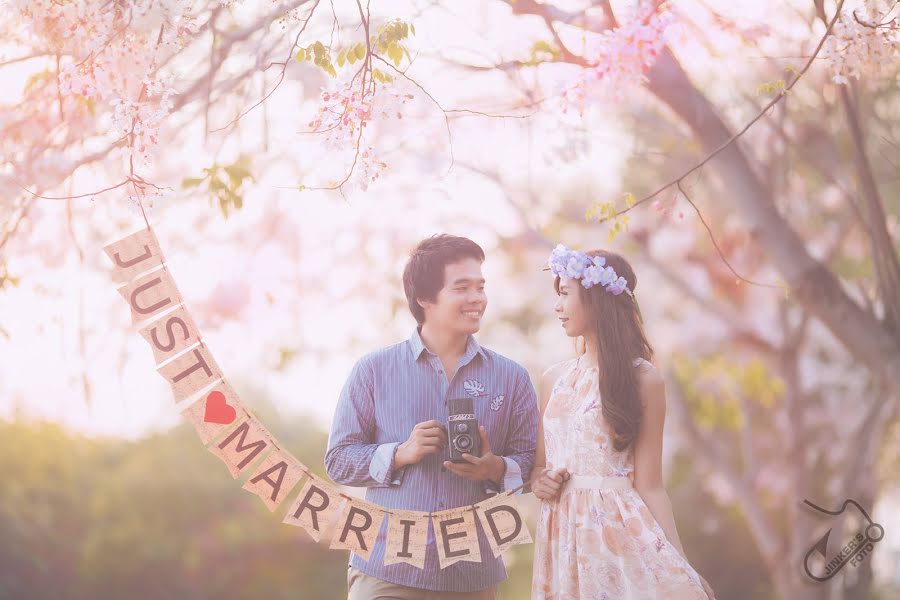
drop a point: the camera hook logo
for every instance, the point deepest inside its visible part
(854, 552)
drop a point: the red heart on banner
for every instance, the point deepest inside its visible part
(218, 410)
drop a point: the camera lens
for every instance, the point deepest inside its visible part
(462, 427)
(463, 442)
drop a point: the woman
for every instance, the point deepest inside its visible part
(606, 530)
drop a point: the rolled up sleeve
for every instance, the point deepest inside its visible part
(521, 440)
(512, 478)
(382, 467)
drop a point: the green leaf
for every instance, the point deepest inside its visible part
(238, 171)
(412, 28)
(330, 70)
(543, 51)
(342, 57)
(190, 182)
(237, 175)
(395, 53)
(360, 51)
(301, 55)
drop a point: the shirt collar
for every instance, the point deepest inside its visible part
(418, 346)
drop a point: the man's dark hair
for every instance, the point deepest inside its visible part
(423, 276)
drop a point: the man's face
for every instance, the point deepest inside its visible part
(460, 304)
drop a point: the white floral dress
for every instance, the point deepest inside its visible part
(600, 544)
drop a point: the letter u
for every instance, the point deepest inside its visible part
(133, 300)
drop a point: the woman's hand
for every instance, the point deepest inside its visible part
(707, 588)
(549, 483)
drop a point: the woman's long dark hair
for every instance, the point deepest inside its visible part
(617, 325)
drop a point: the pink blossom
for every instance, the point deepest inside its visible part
(619, 59)
(111, 54)
(864, 45)
(347, 115)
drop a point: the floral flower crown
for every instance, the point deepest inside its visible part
(591, 270)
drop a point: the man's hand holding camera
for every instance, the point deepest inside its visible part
(487, 467)
(428, 437)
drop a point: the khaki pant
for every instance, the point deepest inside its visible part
(366, 587)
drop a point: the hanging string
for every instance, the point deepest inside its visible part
(141, 205)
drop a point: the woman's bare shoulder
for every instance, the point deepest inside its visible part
(553, 372)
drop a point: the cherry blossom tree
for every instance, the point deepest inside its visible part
(115, 86)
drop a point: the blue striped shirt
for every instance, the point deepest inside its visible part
(391, 390)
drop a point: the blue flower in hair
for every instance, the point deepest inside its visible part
(575, 266)
(591, 270)
(618, 286)
(608, 276)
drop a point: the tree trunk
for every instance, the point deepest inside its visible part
(884, 256)
(813, 285)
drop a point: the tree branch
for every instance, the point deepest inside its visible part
(280, 75)
(228, 41)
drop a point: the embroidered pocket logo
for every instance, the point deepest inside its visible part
(474, 387)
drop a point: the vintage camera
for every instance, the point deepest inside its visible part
(463, 430)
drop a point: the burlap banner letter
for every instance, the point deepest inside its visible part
(457, 538)
(133, 255)
(407, 536)
(358, 524)
(502, 523)
(275, 478)
(242, 446)
(214, 412)
(171, 335)
(150, 294)
(191, 372)
(315, 508)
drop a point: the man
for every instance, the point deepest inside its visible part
(389, 432)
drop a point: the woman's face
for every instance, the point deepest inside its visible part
(570, 308)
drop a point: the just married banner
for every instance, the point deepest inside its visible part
(231, 432)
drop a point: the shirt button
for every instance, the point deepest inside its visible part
(440, 505)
